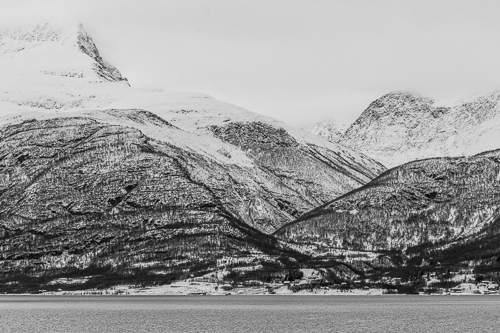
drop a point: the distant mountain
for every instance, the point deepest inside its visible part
(445, 209)
(329, 129)
(99, 178)
(401, 127)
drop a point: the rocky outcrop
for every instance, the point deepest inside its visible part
(54, 66)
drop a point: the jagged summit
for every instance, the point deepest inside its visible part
(393, 103)
(52, 66)
(67, 33)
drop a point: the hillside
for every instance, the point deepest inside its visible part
(80, 197)
(444, 209)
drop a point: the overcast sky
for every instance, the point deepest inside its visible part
(298, 61)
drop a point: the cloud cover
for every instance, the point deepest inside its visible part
(298, 61)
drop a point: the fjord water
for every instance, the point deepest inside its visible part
(249, 314)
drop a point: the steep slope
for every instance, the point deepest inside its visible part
(329, 129)
(401, 127)
(445, 208)
(79, 195)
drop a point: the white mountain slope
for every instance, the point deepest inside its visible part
(400, 127)
(53, 70)
(54, 66)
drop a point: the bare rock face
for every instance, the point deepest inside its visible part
(254, 135)
(445, 208)
(401, 127)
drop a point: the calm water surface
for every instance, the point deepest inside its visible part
(250, 314)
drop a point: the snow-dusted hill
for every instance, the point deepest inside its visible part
(401, 127)
(446, 209)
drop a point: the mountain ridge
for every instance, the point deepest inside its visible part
(402, 126)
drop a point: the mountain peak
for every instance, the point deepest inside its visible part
(403, 97)
(66, 33)
(399, 127)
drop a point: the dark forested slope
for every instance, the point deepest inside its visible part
(447, 207)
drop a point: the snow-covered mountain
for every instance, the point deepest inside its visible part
(400, 127)
(54, 66)
(329, 129)
(95, 172)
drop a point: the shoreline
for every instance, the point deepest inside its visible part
(213, 289)
(58, 294)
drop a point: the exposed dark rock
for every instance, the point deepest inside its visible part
(254, 135)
